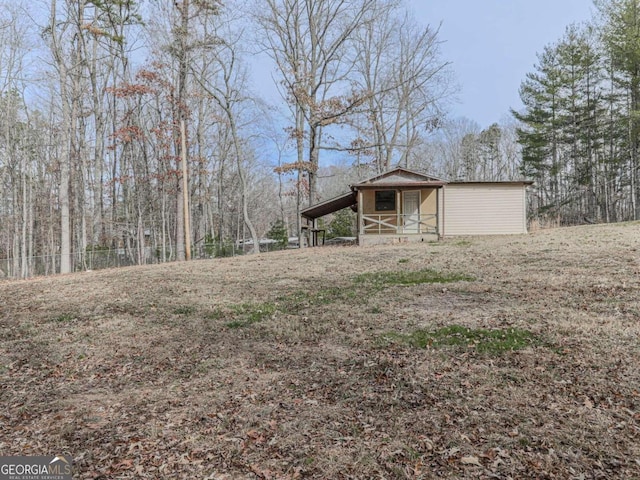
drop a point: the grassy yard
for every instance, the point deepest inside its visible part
(507, 357)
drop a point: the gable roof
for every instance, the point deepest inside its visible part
(400, 177)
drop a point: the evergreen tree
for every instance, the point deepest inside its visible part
(621, 37)
(563, 128)
(580, 134)
(278, 232)
(342, 224)
(540, 93)
(489, 151)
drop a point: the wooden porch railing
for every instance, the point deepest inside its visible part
(393, 223)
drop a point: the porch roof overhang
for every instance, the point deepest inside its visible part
(329, 206)
(400, 185)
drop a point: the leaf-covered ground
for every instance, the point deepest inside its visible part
(337, 363)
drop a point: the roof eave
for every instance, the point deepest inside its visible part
(329, 206)
(507, 182)
(362, 186)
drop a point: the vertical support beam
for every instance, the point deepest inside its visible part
(420, 211)
(398, 209)
(524, 209)
(438, 212)
(444, 214)
(360, 208)
(314, 233)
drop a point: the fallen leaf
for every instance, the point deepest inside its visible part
(263, 473)
(470, 460)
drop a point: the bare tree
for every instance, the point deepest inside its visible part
(16, 206)
(446, 153)
(398, 63)
(184, 42)
(64, 27)
(225, 80)
(309, 40)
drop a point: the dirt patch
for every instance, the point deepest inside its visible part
(288, 365)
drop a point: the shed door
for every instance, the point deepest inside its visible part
(411, 211)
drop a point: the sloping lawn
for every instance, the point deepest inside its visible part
(506, 357)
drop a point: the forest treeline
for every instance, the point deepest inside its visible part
(271, 105)
(580, 128)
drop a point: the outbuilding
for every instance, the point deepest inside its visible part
(405, 206)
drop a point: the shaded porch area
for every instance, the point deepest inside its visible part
(397, 215)
(393, 207)
(314, 235)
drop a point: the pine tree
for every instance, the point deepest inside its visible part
(621, 37)
(540, 93)
(563, 127)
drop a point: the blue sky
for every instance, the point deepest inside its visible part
(492, 44)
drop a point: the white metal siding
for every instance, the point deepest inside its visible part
(483, 209)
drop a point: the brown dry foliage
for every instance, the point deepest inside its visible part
(136, 374)
(130, 90)
(292, 167)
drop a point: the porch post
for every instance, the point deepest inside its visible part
(438, 212)
(444, 213)
(398, 214)
(313, 236)
(360, 219)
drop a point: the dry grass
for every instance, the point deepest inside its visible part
(285, 365)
